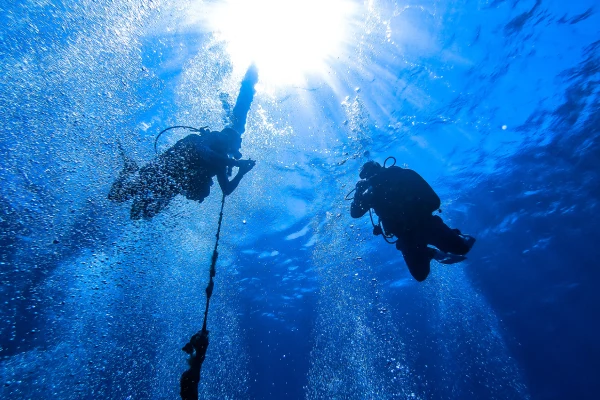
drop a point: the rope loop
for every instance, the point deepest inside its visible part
(386, 160)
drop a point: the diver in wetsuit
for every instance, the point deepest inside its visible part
(187, 168)
(404, 202)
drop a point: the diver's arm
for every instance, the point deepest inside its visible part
(228, 186)
(362, 199)
(212, 157)
(203, 147)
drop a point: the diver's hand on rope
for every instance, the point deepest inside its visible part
(198, 343)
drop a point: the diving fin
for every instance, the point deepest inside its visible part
(469, 240)
(129, 166)
(447, 258)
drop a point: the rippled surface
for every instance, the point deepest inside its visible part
(495, 103)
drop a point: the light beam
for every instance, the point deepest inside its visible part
(286, 39)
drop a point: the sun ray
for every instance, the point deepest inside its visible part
(286, 39)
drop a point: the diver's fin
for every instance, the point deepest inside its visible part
(469, 240)
(129, 166)
(447, 258)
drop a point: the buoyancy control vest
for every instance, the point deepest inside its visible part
(402, 196)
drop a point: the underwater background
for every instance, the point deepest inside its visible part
(495, 103)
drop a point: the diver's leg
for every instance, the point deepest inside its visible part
(124, 188)
(159, 189)
(156, 206)
(149, 206)
(417, 258)
(446, 239)
(137, 208)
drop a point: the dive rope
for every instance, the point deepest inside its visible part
(198, 343)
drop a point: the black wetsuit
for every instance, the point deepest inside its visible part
(405, 202)
(190, 168)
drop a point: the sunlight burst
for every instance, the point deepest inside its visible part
(287, 39)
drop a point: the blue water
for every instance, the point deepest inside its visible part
(495, 103)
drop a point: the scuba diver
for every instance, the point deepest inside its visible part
(404, 202)
(187, 168)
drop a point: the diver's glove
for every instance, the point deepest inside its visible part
(364, 191)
